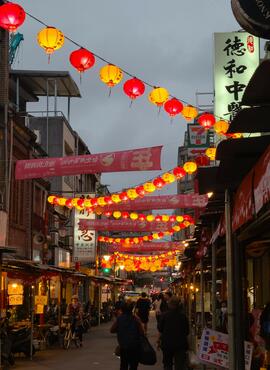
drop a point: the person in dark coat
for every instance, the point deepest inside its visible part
(174, 328)
(129, 330)
(143, 306)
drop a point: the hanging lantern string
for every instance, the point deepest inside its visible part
(108, 62)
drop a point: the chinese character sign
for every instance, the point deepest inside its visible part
(84, 239)
(236, 58)
(214, 349)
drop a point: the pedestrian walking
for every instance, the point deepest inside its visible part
(129, 329)
(173, 328)
(143, 307)
(75, 311)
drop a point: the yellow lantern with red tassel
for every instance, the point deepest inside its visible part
(211, 153)
(221, 127)
(50, 39)
(190, 167)
(189, 112)
(111, 75)
(158, 96)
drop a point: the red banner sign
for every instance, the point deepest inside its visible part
(161, 202)
(262, 181)
(148, 247)
(124, 225)
(243, 204)
(145, 159)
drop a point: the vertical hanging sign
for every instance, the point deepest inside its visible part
(85, 242)
(236, 58)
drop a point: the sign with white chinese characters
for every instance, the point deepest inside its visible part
(236, 58)
(84, 239)
(214, 349)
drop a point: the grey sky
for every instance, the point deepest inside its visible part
(168, 43)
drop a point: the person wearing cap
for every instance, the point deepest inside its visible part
(75, 311)
(173, 327)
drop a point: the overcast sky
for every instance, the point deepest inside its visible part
(167, 43)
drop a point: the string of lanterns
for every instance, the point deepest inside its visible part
(136, 263)
(92, 204)
(149, 237)
(143, 217)
(51, 39)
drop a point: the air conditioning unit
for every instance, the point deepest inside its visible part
(54, 238)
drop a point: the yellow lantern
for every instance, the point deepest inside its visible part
(62, 201)
(101, 201)
(190, 167)
(179, 218)
(50, 39)
(51, 199)
(155, 236)
(74, 202)
(116, 198)
(136, 240)
(190, 112)
(165, 218)
(153, 268)
(149, 187)
(131, 193)
(111, 75)
(117, 240)
(134, 216)
(145, 238)
(158, 96)
(176, 228)
(150, 218)
(87, 203)
(168, 177)
(211, 153)
(221, 127)
(117, 214)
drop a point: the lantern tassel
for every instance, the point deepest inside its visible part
(130, 104)
(159, 110)
(171, 120)
(110, 92)
(80, 77)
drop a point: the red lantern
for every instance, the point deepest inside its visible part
(207, 120)
(125, 214)
(202, 160)
(142, 217)
(80, 202)
(158, 218)
(179, 172)
(69, 203)
(134, 88)
(159, 183)
(108, 213)
(173, 107)
(108, 200)
(172, 218)
(123, 196)
(12, 16)
(94, 202)
(82, 59)
(150, 238)
(140, 190)
(161, 234)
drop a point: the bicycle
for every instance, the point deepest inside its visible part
(70, 336)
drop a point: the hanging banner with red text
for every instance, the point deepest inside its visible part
(124, 225)
(145, 159)
(161, 202)
(148, 247)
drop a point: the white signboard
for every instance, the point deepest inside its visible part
(214, 349)
(236, 58)
(84, 240)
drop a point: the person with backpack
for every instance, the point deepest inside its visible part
(129, 330)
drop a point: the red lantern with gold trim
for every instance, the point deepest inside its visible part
(207, 120)
(173, 107)
(82, 59)
(12, 16)
(134, 88)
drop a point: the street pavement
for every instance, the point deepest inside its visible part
(96, 353)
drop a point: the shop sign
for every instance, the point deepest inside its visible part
(262, 181)
(15, 289)
(236, 59)
(41, 300)
(15, 300)
(214, 349)
(197, 137)
(243, 205)
(39, 309)
(84, 238)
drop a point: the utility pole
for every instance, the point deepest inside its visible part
(4, 101)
